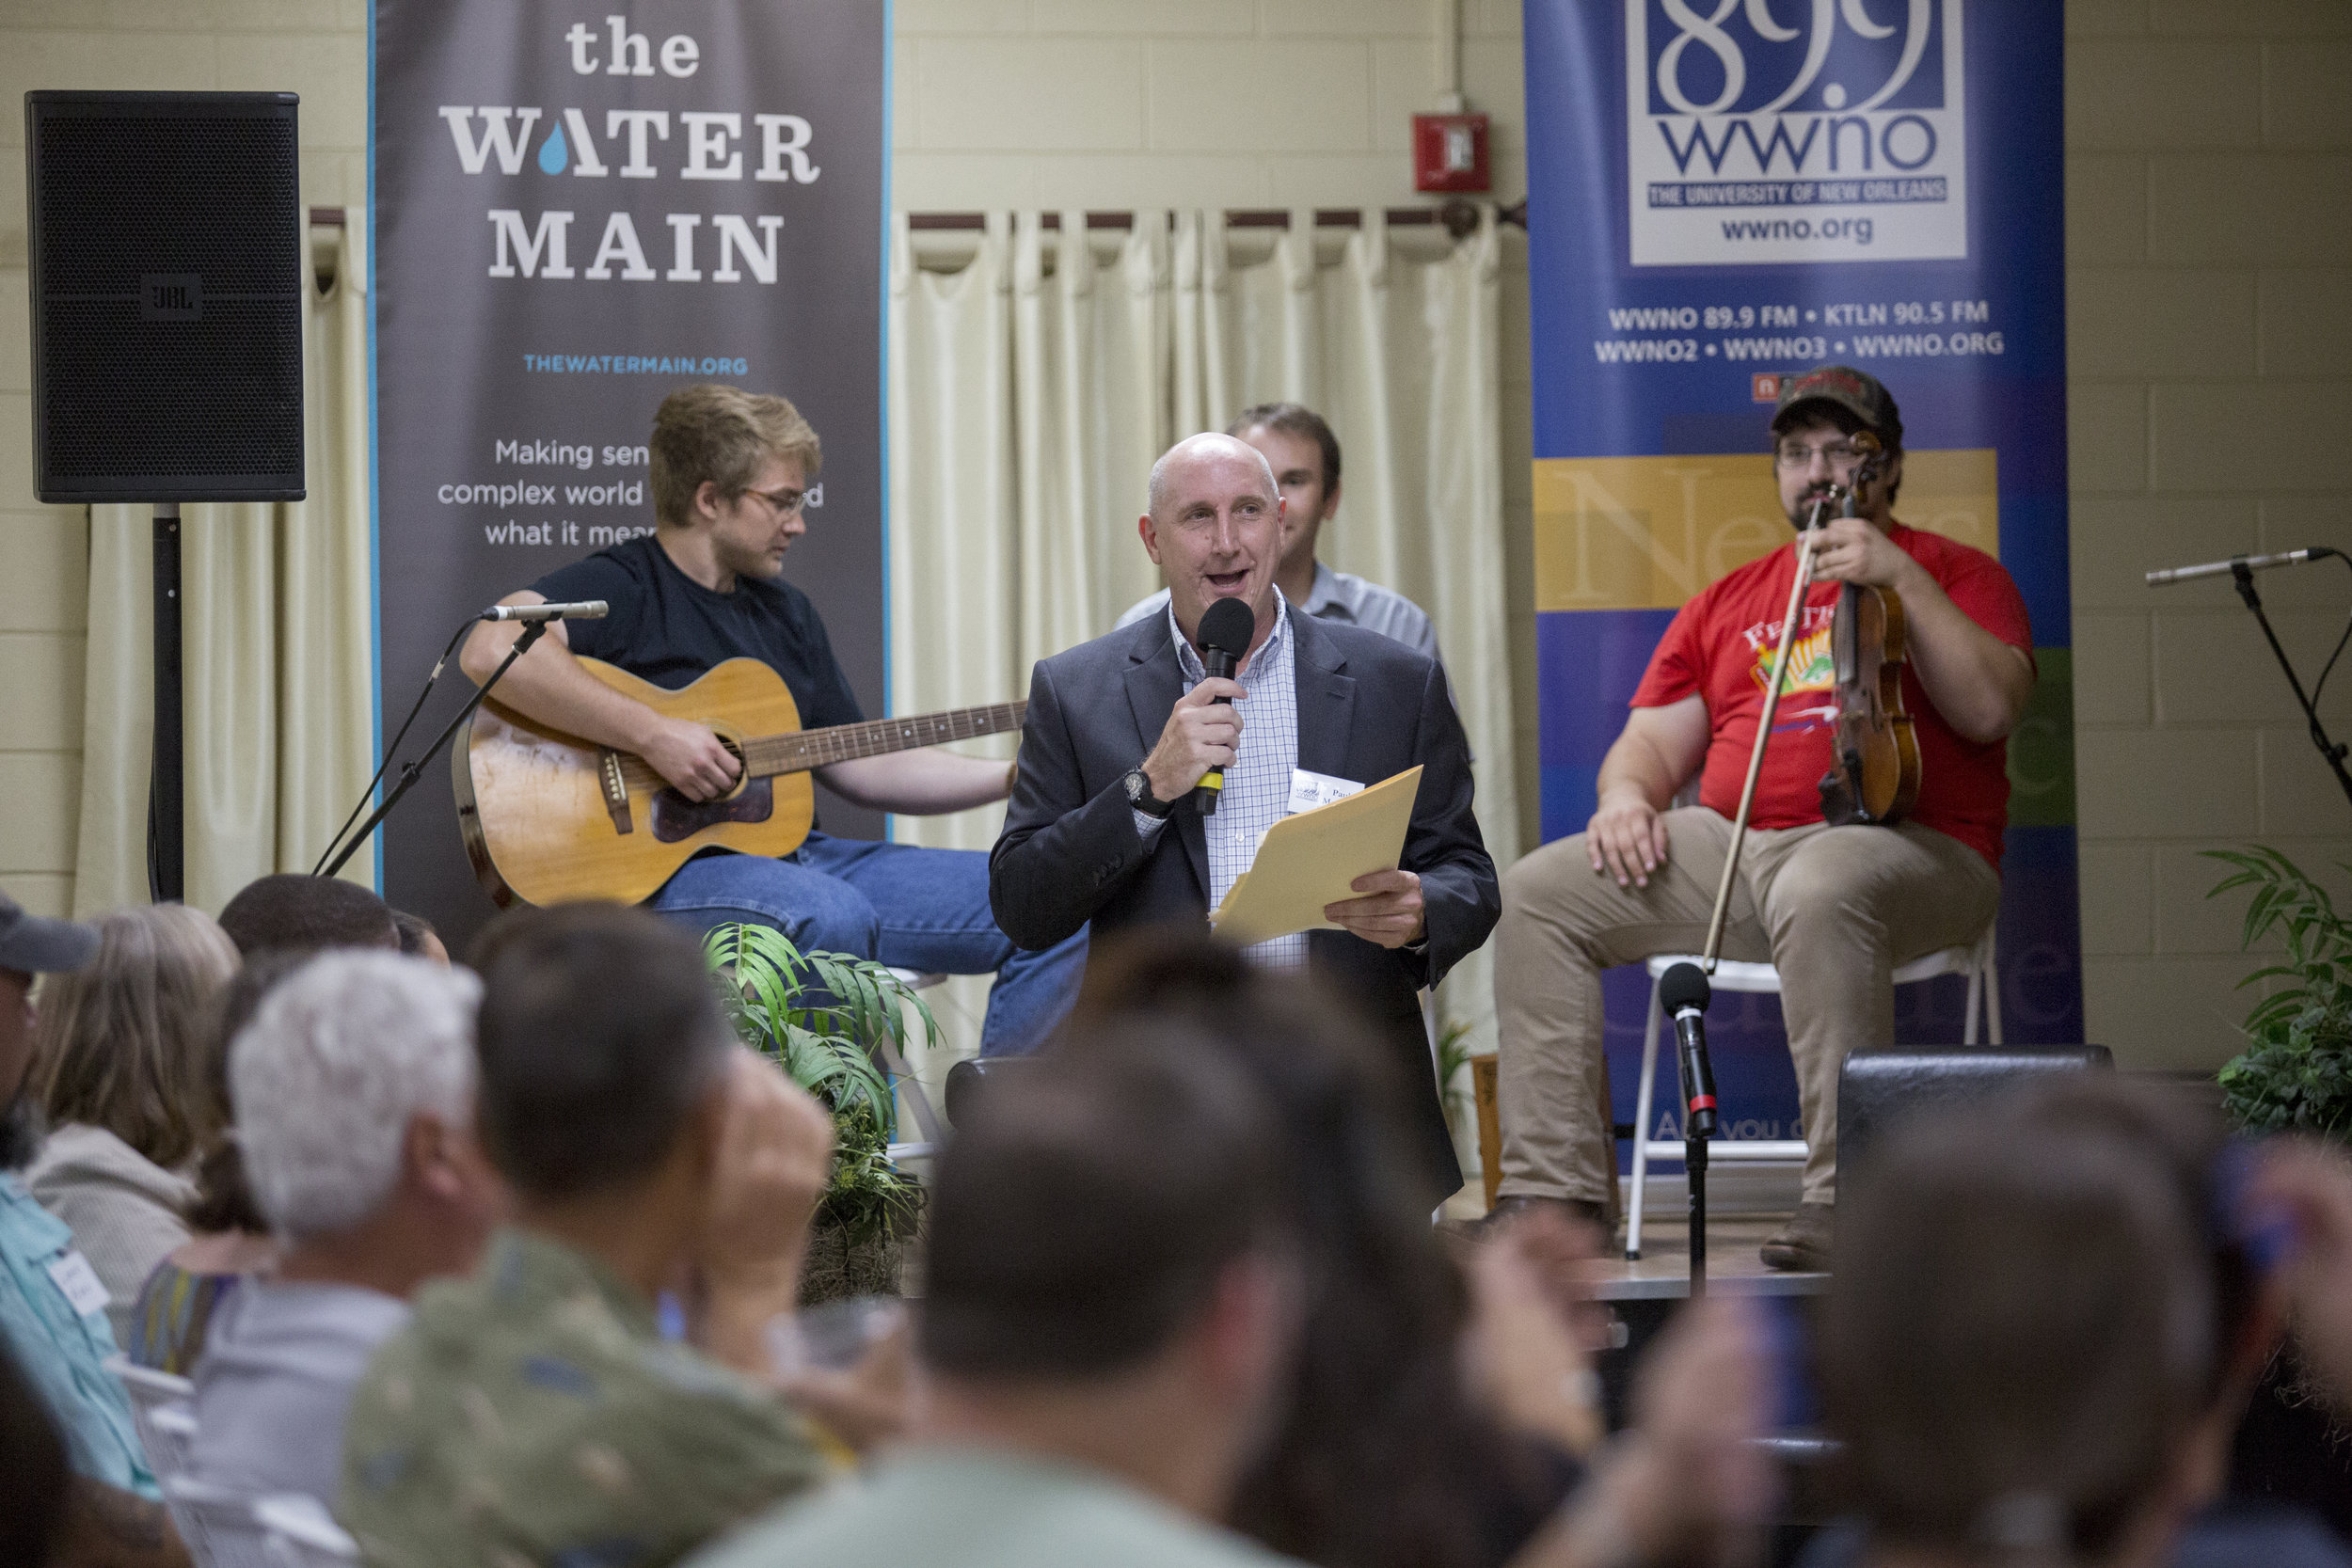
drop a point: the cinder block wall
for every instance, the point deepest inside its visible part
(2209, 231)
(317, 48)
(2210, 315)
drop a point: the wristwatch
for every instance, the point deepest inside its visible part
(1140, 795)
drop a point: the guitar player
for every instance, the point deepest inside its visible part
(1835, 909)
(730, 471)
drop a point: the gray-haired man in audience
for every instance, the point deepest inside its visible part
(353, 1088)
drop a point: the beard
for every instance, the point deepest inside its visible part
(20, 1132)
(1802, 513)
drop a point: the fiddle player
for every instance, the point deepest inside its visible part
(1835, 909)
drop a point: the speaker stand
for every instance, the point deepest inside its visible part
(167, 819)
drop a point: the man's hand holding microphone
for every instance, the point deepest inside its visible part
(1204, 734)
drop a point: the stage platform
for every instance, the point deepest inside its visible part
(1662, 1273)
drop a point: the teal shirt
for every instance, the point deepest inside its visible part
(63, 1353)
(945, 1507)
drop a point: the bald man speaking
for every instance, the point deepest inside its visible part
(1120, 729)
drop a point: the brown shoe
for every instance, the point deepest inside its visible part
(1802, 1244)
(1509, 1208)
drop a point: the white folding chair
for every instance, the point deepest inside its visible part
(168, 1433)
(918, 1099)
(151, 1392)
(298, 1532)
(217, 1523)
(1977, 960)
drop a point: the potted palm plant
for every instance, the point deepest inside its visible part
(824, 1017)
(2294, 1076)
(2295, 1072)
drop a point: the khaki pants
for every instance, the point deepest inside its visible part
(1835, 909)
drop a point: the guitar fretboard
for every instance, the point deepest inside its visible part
(806, 748)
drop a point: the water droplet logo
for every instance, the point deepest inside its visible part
(554, 153)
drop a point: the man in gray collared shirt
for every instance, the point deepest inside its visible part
(1305, 457)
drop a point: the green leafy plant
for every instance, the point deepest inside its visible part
(2295, 1072)
(822, 1018)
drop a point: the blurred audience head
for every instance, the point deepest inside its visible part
(600, 1035)
(224, 1197)
(121, 1043)
(2042, 1326)
(1118, 1225)
(1380, 1443)
(291, 912)
(354, 1085)
(418, 939)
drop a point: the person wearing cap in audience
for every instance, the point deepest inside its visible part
(1835, 909)
(52, 1309)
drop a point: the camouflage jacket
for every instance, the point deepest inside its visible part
(533, 1415)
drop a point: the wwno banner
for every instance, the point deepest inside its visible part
(1724, 192)
(575, 214)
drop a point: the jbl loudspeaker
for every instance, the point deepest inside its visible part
(166, 274)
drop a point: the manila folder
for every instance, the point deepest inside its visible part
(1308, 861)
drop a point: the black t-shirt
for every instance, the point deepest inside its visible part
(667, 629)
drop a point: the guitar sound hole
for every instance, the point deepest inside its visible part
(676, 818)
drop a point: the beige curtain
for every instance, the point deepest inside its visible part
(277, 673)
(1031, 387)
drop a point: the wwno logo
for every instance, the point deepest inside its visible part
(1762, 131)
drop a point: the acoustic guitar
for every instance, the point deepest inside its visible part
(548, 817)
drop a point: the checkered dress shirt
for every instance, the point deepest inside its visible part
(1257, 787)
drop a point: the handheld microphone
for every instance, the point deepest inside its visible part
(1225, 630)
(1683, 994)
(586, 610)
(2251, 562)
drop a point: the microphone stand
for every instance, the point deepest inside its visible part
(2244, 576)
(411, 771)
(1698, 1071)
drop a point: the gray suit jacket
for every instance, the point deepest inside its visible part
(1368, 708)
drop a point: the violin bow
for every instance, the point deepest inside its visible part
(1871, 451)
(1797, 591)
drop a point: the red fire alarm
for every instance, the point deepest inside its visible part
(1449, 152)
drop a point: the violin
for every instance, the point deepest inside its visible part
(1874, 768)
(1875, 774)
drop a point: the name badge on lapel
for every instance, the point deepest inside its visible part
(1309, 790)
(79, 1283)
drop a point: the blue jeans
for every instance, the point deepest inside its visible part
(903, 905)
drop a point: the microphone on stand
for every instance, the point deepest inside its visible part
(586, 610)
(2251, 562)
(1225, 631)
(1683, 994)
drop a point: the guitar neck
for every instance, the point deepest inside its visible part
(801, 749)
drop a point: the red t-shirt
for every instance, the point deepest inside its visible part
(1720, 646)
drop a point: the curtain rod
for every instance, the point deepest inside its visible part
(1458, 217)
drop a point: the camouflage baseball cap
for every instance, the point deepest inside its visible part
(35, 945)
(1857, 393)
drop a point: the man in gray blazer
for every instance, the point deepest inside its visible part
(1122, 728)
